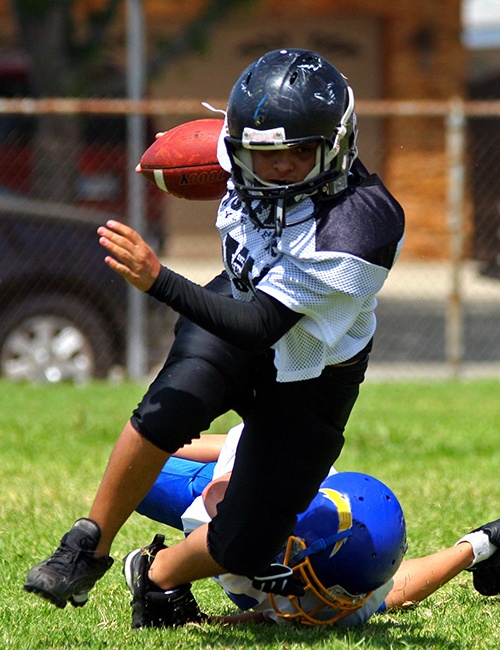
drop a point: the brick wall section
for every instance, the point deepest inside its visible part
(425, 60)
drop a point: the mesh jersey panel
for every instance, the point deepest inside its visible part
(326, 273)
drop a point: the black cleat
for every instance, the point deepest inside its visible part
(486, 574)
(70, 573)
(152, 606)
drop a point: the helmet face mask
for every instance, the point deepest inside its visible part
(319, 605)
(348, 543)
(285, 99)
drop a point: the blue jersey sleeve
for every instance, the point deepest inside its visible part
(178, 484)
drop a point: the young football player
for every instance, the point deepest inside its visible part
(282, 337)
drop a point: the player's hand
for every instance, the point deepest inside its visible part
(278, 579)
(130, 256)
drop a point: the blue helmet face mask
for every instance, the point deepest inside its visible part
(350, 541)
(289, 98)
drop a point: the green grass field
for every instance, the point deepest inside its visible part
(435, 444)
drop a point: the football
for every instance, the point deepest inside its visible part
(183, 161)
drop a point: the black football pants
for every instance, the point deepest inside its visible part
(293, 434)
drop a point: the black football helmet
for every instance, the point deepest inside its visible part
(286, 98)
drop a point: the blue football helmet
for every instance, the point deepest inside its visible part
(349, 541)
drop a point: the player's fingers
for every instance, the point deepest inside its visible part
(135, 277)
(116, 251)
(124, 238)
(116, 245)
(119, 268)
(123, 230)
(137, 263)
(136, 258)
(122, 235)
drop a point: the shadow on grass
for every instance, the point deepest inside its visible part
(379, 633)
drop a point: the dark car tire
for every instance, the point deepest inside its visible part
(54, 338)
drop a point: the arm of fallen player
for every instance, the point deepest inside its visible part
(205, 449)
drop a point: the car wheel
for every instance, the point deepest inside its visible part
(52, 339)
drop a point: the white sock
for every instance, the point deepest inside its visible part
(481, 546)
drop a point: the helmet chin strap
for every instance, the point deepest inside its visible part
(320, 545)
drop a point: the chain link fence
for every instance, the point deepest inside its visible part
(65, 165)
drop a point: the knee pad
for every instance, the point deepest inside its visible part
(184, 399)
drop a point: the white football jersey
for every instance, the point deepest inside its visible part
(326, 266)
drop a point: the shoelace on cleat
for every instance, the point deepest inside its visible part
(68, 555)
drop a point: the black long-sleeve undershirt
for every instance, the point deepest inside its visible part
(253, 326)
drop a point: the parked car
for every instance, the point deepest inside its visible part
(63, 312)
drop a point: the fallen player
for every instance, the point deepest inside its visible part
(330, 553)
